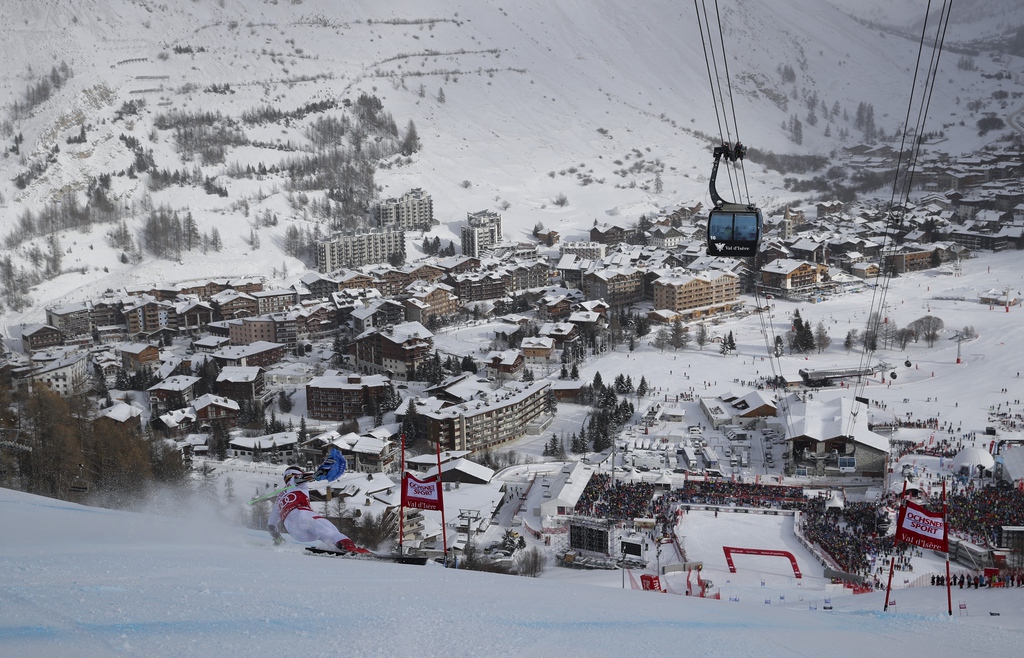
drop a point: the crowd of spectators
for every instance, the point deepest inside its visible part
(854, 536)
(726, 492)
(977, 514)
(622, 500)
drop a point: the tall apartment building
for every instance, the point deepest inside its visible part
(413, 211)
(481, 232)
(351, 249)
(589, 250)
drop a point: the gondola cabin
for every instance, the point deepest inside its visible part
(734, 229)
(734, 233)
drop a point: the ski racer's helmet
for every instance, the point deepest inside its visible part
(292, 473)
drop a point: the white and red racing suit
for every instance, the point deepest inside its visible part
(291, 509)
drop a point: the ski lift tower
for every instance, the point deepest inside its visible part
(958, 336)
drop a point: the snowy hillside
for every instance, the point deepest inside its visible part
(590, 100)
(91, 582)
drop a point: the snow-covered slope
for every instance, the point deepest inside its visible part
(91, 582)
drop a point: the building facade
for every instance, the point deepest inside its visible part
(413, 211)
(352, 249)
(481, 232)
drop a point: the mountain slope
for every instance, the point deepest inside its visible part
(587, 99)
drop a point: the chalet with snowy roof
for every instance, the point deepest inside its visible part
(211, 409)
(978, 239)
(240, 383)
(613, 234)
(259, 353)
(618, 286)
(424, 301)
(121, 414)
(177, 422)
(910, 257)
(480, 286)
(36, 337)
(503, 415)
(665, 237)
(664, 316)
(314, 285)
(335, 396)
(208, 344)
(272, 328)
(785, 276)
(71, 320)
(742, 409)
(230, 304)
(461, 470)
(507, 364)
(192, 315)
(279, 448)
(108, 364)
(865, 270)
(274, 301)
(396, 351)
(423, 463)
(135, 356)
(458, 264)
(560, 332)
(66, 375)
(147, 316)
(364, 453)
(826, 437)
(996, 297)
(173, 393)
(554, 307)
(538, 351)
(378, 313)
(529, 274)
(699, 295)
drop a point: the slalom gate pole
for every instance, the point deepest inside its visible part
(892, 562)
(401, 498)
(440, 499)
(888, 587)
(945, 532)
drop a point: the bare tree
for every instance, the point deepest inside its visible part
(531, 562)
(927, 327)
(821, 337)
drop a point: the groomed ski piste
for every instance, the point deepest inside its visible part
(82, 581)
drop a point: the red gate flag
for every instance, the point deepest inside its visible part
(649, 582)
(421, 495)
(922, 528)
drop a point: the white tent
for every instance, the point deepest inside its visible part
(835, 501)
(971, 458)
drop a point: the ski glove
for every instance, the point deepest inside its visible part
(278, 539)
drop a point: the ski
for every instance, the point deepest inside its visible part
(384, 557)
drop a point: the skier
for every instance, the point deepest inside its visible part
(291, 509)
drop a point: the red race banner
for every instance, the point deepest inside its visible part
(922, 528)
(421, 495)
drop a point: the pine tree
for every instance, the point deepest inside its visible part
(679, 337)
(440, 95)
(411, 143)
(641, 388)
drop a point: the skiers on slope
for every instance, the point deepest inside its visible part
(292, 510)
